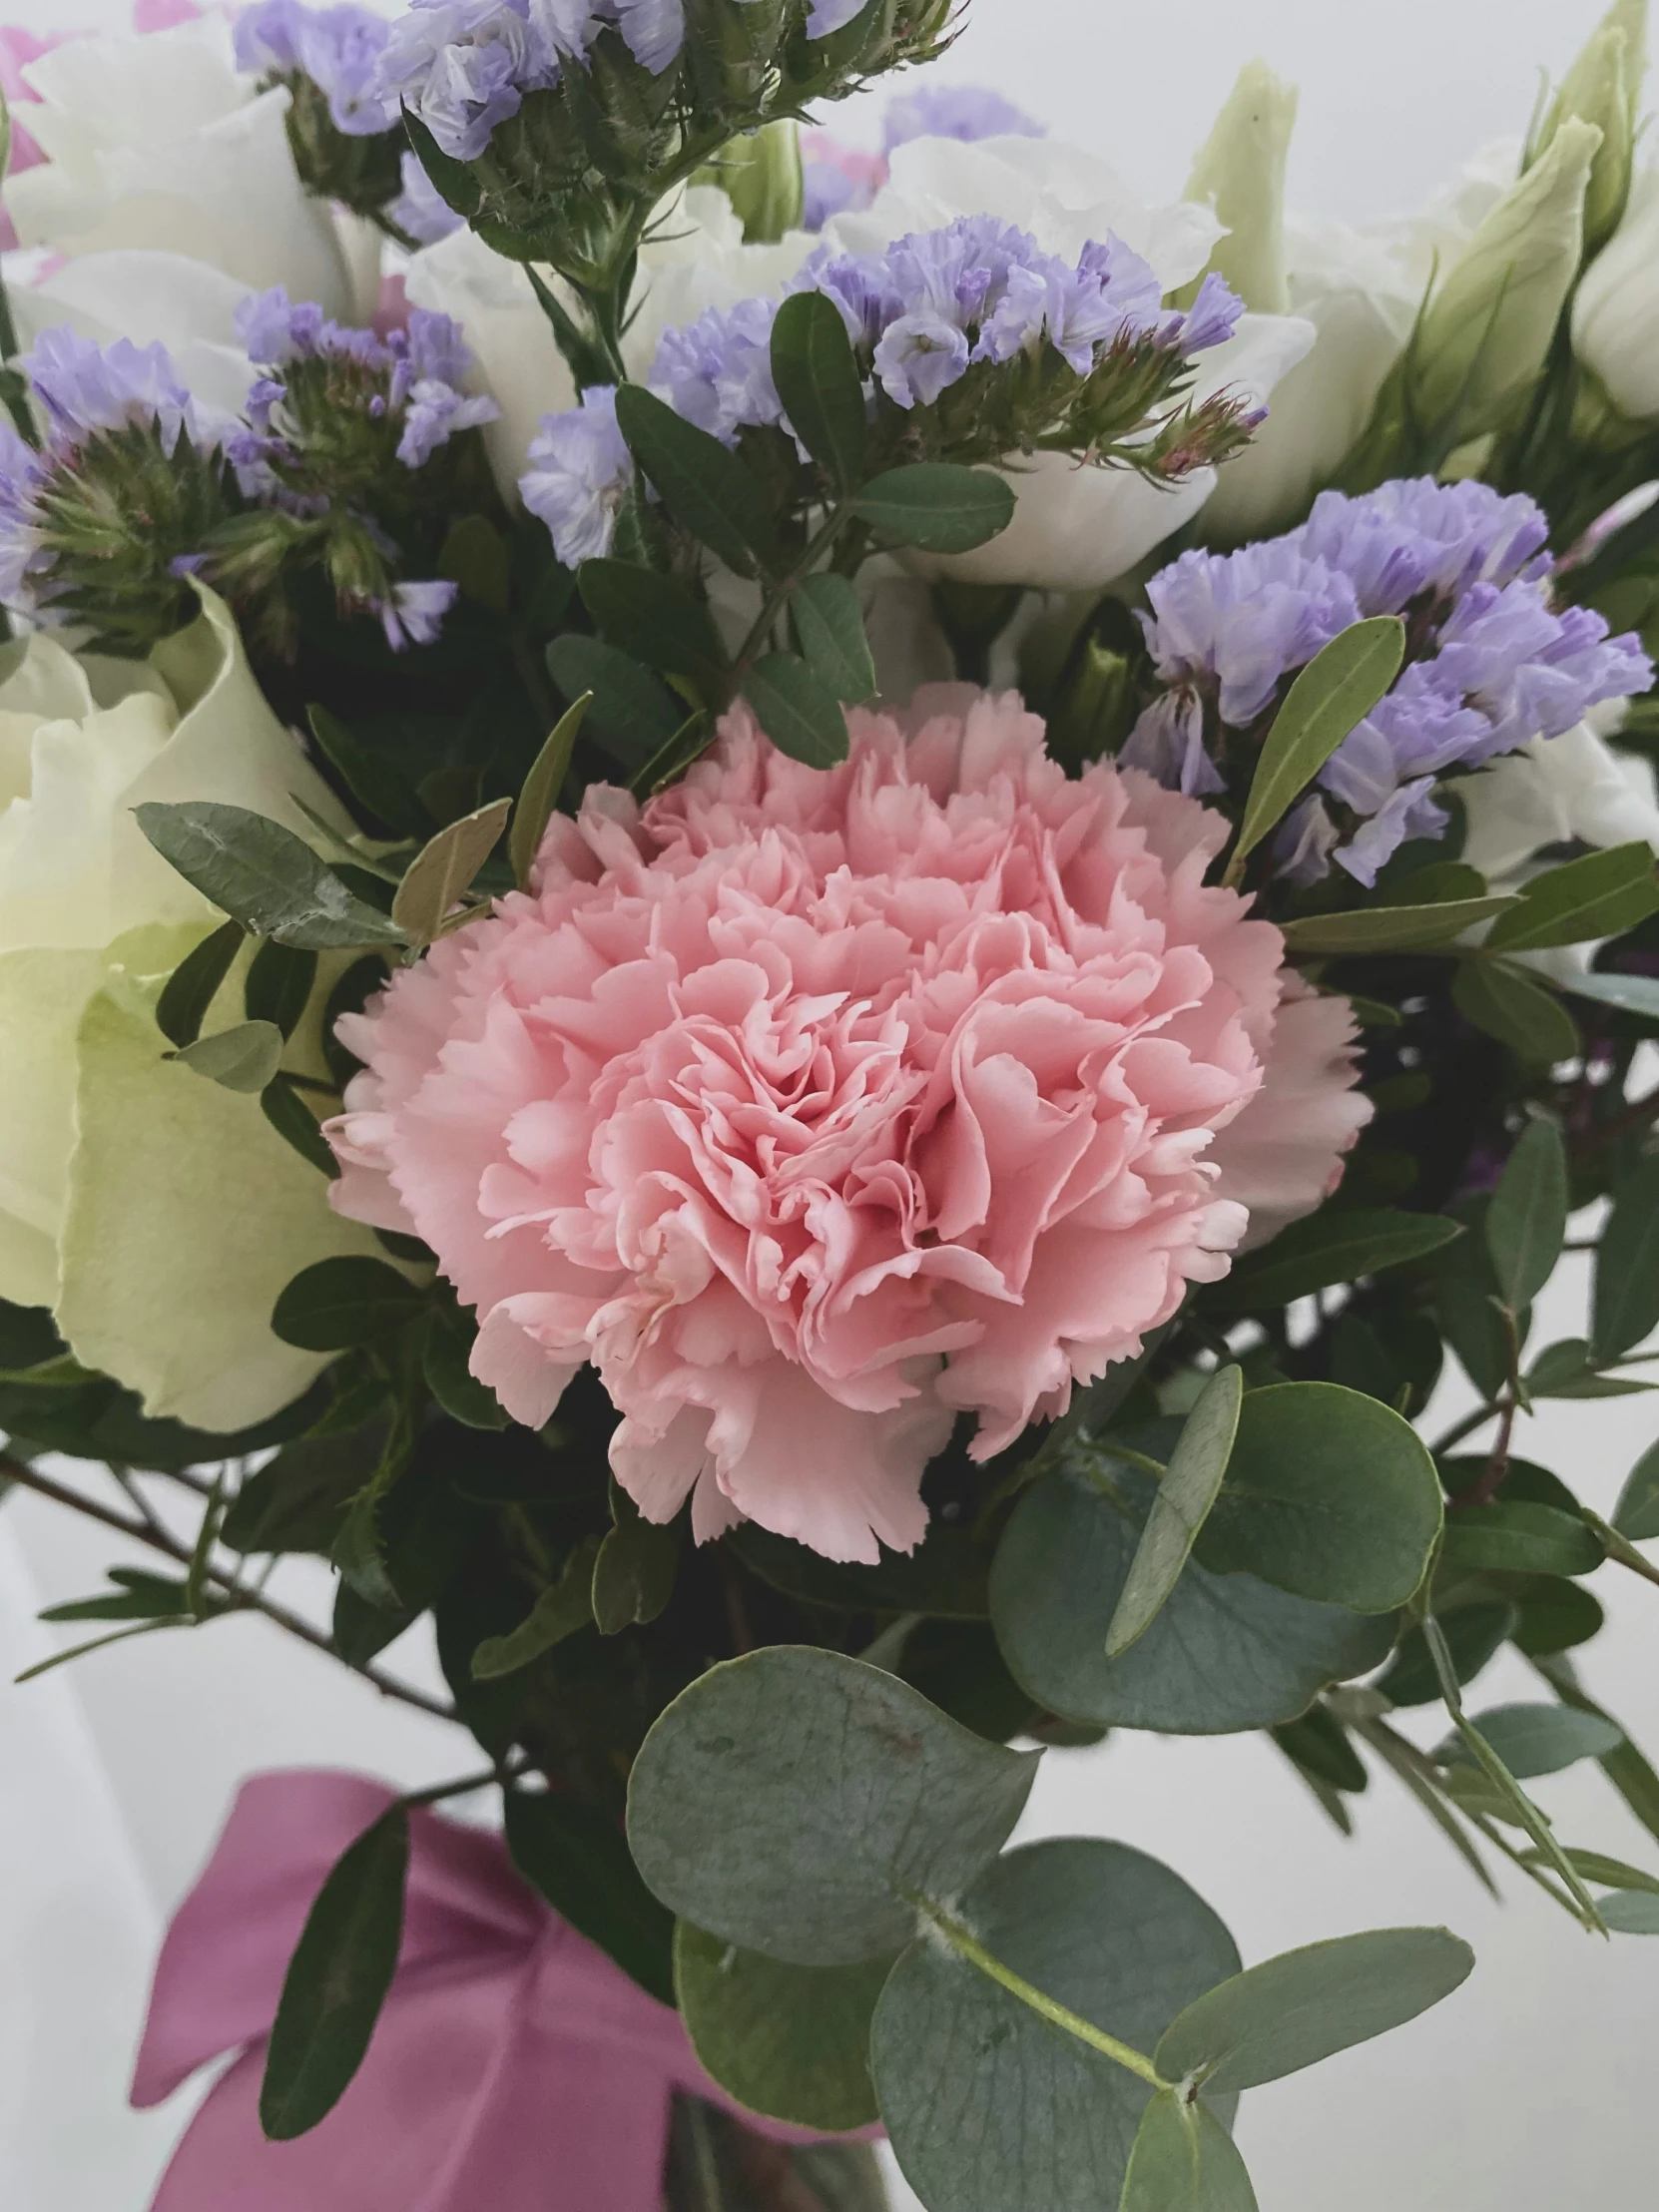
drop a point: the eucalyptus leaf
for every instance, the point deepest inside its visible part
(261, 875)
(1636, 1516)
(1526, 1222)
(818, 381)
(792, 1800)
(1626, 1298)
(241, 1059)
(1335, 1245)
(1473, 1635)
(1179, 1507)
(1308, 2005)
(1600, 895)
(703, 484)
(797, 710)
(1520, 1013)
(576, 1857)
(1629, 1913)
(1184, 2160)
(789, 2042)
(1515, 1536)
(193, 985)
(540, 793)
(441, 875)
(829, 629)
(938, 506)
(1333, 693)
(1389, 928)
(1536, 1739)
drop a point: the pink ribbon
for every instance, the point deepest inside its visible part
(514, 2068)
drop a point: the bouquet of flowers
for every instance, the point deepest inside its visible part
(796, 928)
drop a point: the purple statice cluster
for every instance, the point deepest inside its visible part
(1491, 662)
(934, 306)
(416, 375)
(843, 180)
(339, 48)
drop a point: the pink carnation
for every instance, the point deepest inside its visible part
(818, 1107)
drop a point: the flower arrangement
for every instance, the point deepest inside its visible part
(795, 931)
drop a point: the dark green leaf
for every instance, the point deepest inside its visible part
(1320, 1744)
(654, 618)
(1636, 1516)
(797, 710)
(829, 629)
(944, 1576)
(1337, 1245)
(938, 505)
(1180, 1506)
(449, 1376)
(855, 1792)
(1389, 928)
(453, 181)
(296, 1502)
(1625, 1767)
(475, 556)
(1184, 2160)
(1626, 1305)
(140, 1597)
(1535, 1738)
(1601, 895)
(819, 383)
(561, 1609)
(278, 986)
(1305, 2005)
(1556, 1615)
(1330, 1495)
(262, 876)
(193, 985)
(1526, 1222)
(441, 873)
(1595, 1866)
(634, 1569)
(1336, 691)
(1512, 1536)
(578, 1861)
(336, 1982)
(702, 483)
(1473, 1635)
(362, 1628)
(959, 1666)
(632, 714)
(1465, 1292)
(241, 1059)
(792, 2042)
(542, 787)
(344, 1302)
(294, 1120)
(1508, 1004)
(28, 1338)
(369, 774)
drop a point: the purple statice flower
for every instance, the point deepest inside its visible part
(274, 330)
(1211, 321)
(414, 613)
(420, 210)
(1168, 743)
(435, 413)
(1414, 536)
(654, 30)
(965, 112)
(339, 48)
(717, 372)
(919, 357)
(464, 66)
(1239, 623)
(86, 388)
(580, 473)
(24, 561)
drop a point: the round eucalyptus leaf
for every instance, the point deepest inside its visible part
(1225, 1653)
(792, 2042)
(987, 2106)
(797, 1802)
(1184, 2160)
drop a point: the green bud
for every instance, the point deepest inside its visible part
(760, 174)
(1098, 702)
(1239, 172)
(1603, 87)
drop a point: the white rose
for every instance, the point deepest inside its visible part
(1555, 790)
(157, 1214)
(1615, 321)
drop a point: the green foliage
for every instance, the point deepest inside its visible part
(1536, 1739)
(936, 506)
(1601, 895)
(633, 1569)
(441, 873)
(1335, 1245)
(819, 385)
(1626, 1307)
(792, 2042)
(1514, 1536)
(262, 876)
(631, 712)
(559, 1611)
(243, 1059)
(540, 795)
(278, 986)
(1382, 928)
(194, 984)
(703, 485)
(1184, 2160)
(1636, 1516)
(1179, 1507)
(796, 709)
(655, 619)
(1508, 1005)
(829, 630)
(341, 1303)
(1526, 1222)
(575, 1857)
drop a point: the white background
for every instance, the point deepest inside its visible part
(1532, 2090)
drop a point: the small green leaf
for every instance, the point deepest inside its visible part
(1595, 1866)
(634, 1569)
(1184, 2160)
(295, 1504)
(1626, 1300)
(336, 1982)
(560, 1610)
(1601, 895)
(1631, 1913)
(1513, 1537)
(1389, 928)
(578, 1861)
(280, 984)
(262, 876)
(656, 619)
(829, 629)
(140, 1597)
(242, 1060)
(792, 2042)
(938, 506)
(1526, 1222)
(453, 182)
(818, 381)
(703, 484)
(295, 1124)
(193, 985)
(1335, 1245)
(1293, 2011)
(1322, 1746)
(1555, 1616)
(1535, 1738)
(1333, 693)
(344, 1302)
(797, 710)
(441, 875)
(542, 787)
(449, 1377)
(1636, 1516)
(368, 774)
(1179, 1507)
(1508, 1004)
(633, 714)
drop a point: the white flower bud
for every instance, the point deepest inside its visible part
(1239, 172)
(1616, 319)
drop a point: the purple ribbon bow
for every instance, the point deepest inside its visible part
(514, 2066)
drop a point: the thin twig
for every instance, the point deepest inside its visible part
(237, 1597)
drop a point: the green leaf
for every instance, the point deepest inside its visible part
(1180, 1505)
(854, 1794)
(1305, 2005)
(1631, 994)
(1184, 2160)
(1626, 1298)
(1601, 895)
(336, 1982)
(242, 1060)
(703, 484)
(453, 182)
(368, 774)
(1225, 1653)
(193, 985)
(578, 1861)
(296, 1502)
(1626, 1768)
(1555, 1616)
(449, 1377)
(829, 629)
(1333, 693)
(560, 1610)
(1535, 1738)
(1636, 1516)
(139, 1597)
(938, 505)
(1631, 1913)
(1526, 1222)
(962, 2065)
(1473, 1635)
(1595, 1866)
(797, 710)
(1508, 1004)
(1335, 1245)
(441, 875)
(633, 1569)
(1322, 1746)
(1330, 1495)
(1514, 1536)
(341, 1303)
(792, 2042)
(262, 876)
(1389, 928)
(653, 618)
(542, 787)
(819, 383)
(633, 714)
(294, 1120)
(280, 985)
(944, 1576)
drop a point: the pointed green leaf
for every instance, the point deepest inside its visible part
(656, 619)
(1526, 1222)
(829, 629)
(577, 1858)
(1179, 1507)
(261, 875)
(287, 1111)
(703, 484)
(280, 985)
(819, 383)
(1600, 895)
(542, 787)
(797, 710)
(1631, 994)
(1390, 928)
(1631, 1913)
(938, 506)
(1636, 1516)
(193, 985)
(1184, 2160)
(453, 181)
(561, 1609)
(1533, 1740)
(242, 1060)
(1508, 1004)
(633, 713)
(1627, 1305)
(441, 875)
(1335, 1245)
(1333, 693)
